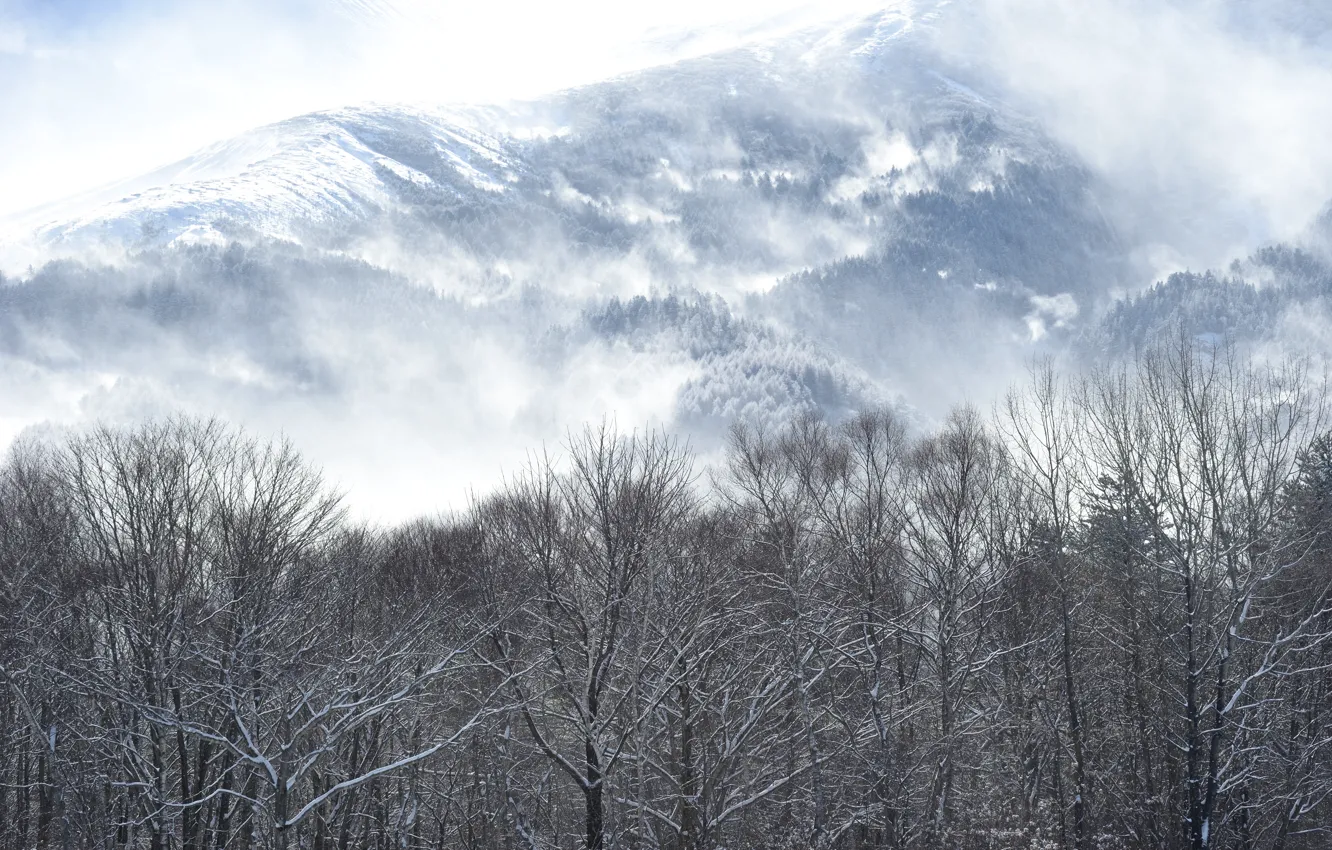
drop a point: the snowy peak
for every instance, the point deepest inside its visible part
(343, 166)
(314, 170)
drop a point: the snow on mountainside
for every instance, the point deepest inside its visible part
(822, 221)
(330, 168)
(844, 189)
(334, 169)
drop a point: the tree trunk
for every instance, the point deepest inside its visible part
(1074, 733)
(596, 825)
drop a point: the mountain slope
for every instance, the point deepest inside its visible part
(316, 171)
(827, 221)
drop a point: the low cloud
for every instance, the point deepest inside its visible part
(1213, 130)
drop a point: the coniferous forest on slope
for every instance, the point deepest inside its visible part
(1097, 616)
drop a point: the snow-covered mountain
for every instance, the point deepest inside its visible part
(325, 170)
(325, 173)
(838, 217)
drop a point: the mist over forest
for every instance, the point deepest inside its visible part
(892, 425)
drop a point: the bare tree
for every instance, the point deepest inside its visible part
(588, 541)
(1102, 618)
(957, 511)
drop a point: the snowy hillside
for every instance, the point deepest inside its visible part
(316, 171)
(836, 217)
(320, 175)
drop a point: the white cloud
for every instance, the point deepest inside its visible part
(1216, 128)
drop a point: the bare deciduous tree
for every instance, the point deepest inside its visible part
(1101, 619)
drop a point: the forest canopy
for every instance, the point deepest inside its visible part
(1096, 617)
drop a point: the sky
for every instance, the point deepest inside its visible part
(94, 91)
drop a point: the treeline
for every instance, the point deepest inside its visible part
(1098, 618)
(1251, 301)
